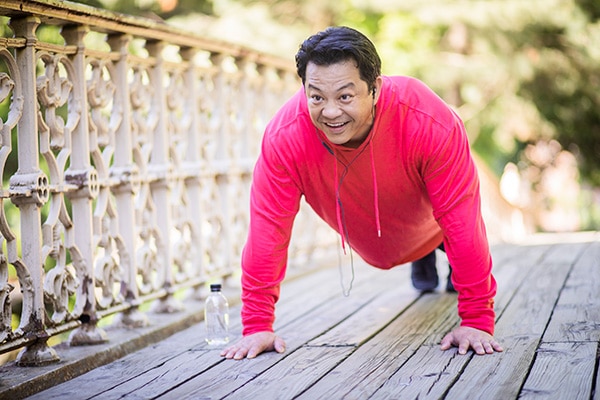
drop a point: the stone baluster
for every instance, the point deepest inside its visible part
(126, 173)
(160, 185)
(29, 190)
(192, 168)
(82, 175)
(221, 162)
(11, 89)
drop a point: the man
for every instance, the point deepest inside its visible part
(386, 163)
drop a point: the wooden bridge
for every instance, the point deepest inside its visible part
(381, 342)
(126, 151)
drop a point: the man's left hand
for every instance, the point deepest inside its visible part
(465, 337)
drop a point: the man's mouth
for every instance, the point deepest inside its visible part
(335, 125)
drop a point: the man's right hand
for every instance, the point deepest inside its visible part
(252, 345)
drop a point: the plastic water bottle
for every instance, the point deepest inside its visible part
(216, 317)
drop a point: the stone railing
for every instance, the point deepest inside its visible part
(126, 152)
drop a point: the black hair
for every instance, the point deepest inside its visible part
(337, 44)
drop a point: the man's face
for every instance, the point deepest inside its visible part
(340, 103)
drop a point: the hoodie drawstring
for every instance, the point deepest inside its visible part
(338, 208)
(375, 192)
(339, 212)
(338, 200)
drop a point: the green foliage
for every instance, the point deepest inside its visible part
(162, 9)
(572, 108)
(591, 8)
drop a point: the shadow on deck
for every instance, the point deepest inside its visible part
(381, 342)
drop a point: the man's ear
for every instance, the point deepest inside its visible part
(376, 90)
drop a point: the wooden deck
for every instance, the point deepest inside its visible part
(382, 342)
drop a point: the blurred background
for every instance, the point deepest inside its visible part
(523, 75)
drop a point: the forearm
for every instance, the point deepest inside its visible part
(258, 303)
(274, 203)
(468, 253)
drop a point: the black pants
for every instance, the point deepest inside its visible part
(430, 258)
(424, 272)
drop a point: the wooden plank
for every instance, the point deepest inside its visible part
(542, 280)
(315, 322)
(226, 377)
(362, 322)
(519, 328)
(426, 375)
(144, 363)
(430, 372)
(313, 290)
(367, 321)
(576, 317)
(511, 271)
(148, 359)
(292, 375)
(159, 380)
(78, 360)
(562, 371)
(348, 374)
(361, 374)
(597, 385)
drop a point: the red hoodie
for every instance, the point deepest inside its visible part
(411, 184)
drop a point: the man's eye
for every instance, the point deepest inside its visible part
(316, 98)
(346, 97)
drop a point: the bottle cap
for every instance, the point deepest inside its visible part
(215, 287)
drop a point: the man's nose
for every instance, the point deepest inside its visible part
(331, 110)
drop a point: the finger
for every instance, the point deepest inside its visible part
(240, 353)
(496, 346)
(478, 347)
(279, 345)
(487, 346)
(254, 351)
(463, 346)
(230, 350)
(447, 342)
(228, 354)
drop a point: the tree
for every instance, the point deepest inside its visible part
(565, 84)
